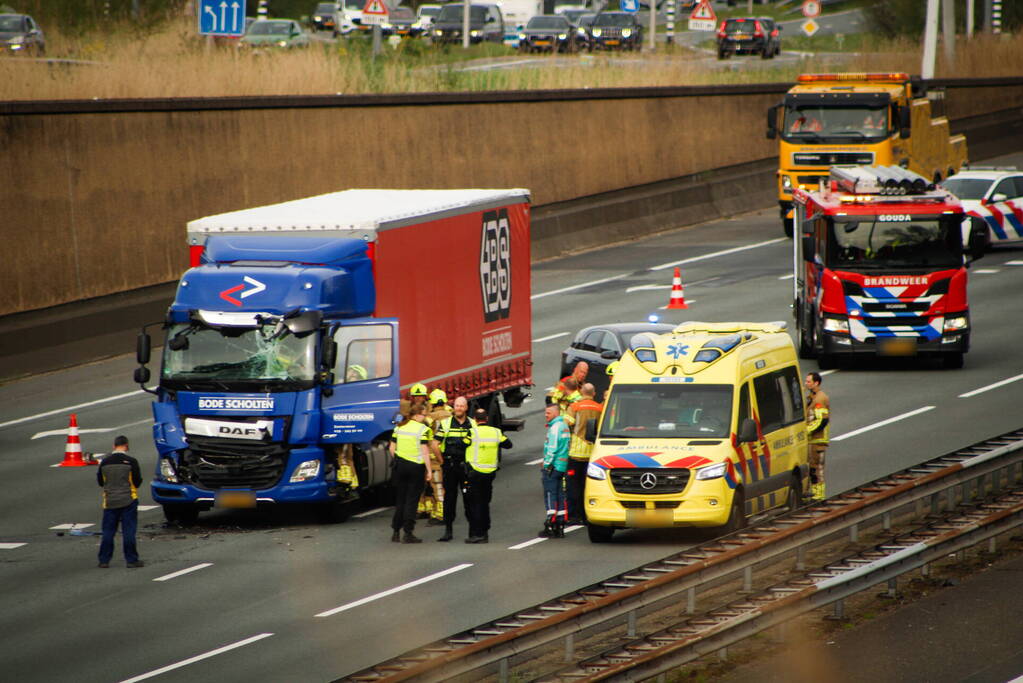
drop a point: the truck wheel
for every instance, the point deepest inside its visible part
(806, 350)
(181, 514)
(599, 534)
(333, 512)
(952, 361)
(787, 226)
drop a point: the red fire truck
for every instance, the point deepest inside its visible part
(880, 269)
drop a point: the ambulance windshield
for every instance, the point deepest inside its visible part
(895, 241)
(668, 411)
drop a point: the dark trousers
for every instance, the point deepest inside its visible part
(128, 518)
(575, 482)
(478, 493)
(409, 481)
(553, 494)
(454, 477)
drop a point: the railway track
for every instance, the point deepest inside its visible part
(940, 490)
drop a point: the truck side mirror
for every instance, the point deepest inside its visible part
(143, 346)
(904, 121)
(747, 430)
(979, 238)
(809, 247)
(329, 353)
(772, 122)
(591, 431)
(141, 375)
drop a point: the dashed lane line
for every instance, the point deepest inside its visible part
(882, 423)
(182, 572)
(11, 546)
(989, 387)
(367, 513)
(551, 336)
(715, 254)
(68, 409)
(534, 462)
(534, 541)
(98, 430)
(198, 658)
(396, 589)
(71, 526)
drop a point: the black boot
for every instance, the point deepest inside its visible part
(547, 531)
(411, 538)
(395, 537)
(559, 528)
(447, 535)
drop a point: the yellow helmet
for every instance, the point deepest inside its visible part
(438, 396)
(418, 389)
(356, 373)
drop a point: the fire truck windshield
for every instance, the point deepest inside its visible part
(810, 123)
(894, 241)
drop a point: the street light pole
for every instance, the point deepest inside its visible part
(466, 10)
(930, 39)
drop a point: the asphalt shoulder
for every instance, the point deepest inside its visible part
(971, 632)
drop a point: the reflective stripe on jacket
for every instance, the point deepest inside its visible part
(581, 414)
(459, 436)
(818, 424)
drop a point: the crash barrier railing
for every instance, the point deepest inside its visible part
(493, 647)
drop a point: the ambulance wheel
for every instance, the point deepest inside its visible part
(794, 496)
(737, 515)
(600, 534)
(952, 361)
(181, 514)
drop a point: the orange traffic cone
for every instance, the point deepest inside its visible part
(678, 297)
(73, 449)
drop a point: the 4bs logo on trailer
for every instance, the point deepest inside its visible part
(495, 265)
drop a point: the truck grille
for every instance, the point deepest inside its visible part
(611, 32)
(214, 463)
(832, 158)
(649, 480)
(897, 321)
(896, 306)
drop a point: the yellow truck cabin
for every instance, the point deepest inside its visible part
(858, 119)
(701, 427)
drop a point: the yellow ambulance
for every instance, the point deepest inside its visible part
(701, 427)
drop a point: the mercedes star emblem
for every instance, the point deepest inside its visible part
(648, 480)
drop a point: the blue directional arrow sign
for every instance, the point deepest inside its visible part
(222, 17)
(629, 5)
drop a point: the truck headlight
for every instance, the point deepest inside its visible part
(317, 18)
(838, 325)
(596, 33)
(786, 182)
(956, 323)
(167, 472)
(712, 471)
(562, 36)
(310, 469)
(626, 32)
(595, 472)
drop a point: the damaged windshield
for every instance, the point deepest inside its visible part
(231, 355)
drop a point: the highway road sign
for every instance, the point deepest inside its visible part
(810, 27)
(703, 17)
(222, 17)
(628, 5)
(811, 9)
(375, 12)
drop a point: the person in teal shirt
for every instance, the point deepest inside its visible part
(552, 474)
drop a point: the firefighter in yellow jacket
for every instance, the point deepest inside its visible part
(431, 504)
(818, 422)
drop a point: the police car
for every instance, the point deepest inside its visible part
(994, 195)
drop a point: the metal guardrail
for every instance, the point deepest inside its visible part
(493, 645)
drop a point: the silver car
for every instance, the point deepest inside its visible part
(19, 34)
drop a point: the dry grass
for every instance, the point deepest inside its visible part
(171, 62)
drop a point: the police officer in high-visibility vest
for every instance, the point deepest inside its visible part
(482, 459)
(410, 450)
(452, 435)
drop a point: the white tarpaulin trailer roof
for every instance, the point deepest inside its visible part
(353, 213)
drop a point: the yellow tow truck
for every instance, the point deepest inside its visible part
(858, 119)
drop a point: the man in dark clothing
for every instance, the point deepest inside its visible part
(120, 477)
(452, 435)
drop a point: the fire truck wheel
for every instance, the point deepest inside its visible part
(826, 361)
(952, 361)
(806, 350)
(786, 224)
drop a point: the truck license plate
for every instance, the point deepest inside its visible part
(612, 42)
(543, 42)
(649, 519)
(896, 346)
(236, 499)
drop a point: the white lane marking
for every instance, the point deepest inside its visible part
(72, 526)
(822, 373)
(715, 254)
(367, 513)
(989, 387)
(572, 288)
(787, 277)
(551, 336)
(174, 575)
(70, 408)
(534, 462)
(197, 658)
(147, 508)
(986, 271)
(665, 307)
(526, 544)
(643, 288)
(1014, 263)
(574, 527)
(11, 546)
(99, 430)
(882, 423)
(397, 589)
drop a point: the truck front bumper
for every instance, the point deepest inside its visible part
(167, 493)
(843, 344)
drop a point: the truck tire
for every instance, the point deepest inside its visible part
(181, 514)
(599, 534)
(787, 226)
(333, 512)
(806, 343)
(952, 360)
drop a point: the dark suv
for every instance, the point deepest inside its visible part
(19, 34)
(616, 31)
(485, 24)
(749, 35)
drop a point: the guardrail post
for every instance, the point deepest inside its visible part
(631, 632)
(886, 521)
(935, 508)
(801, 558)
(950, 499)
(854, 533)
(919, 507)
(893, 585)
(691, 601)
(569, 648)
(925, 570)
(502, 671)
(839, 610)
(723, 654)
(747, 580)
(992, 545)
